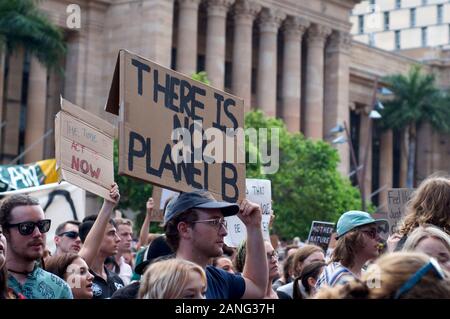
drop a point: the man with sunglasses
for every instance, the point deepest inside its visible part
(195, 228)
(24, 225)
(67, 239)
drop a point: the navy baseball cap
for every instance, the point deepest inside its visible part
(197, 199)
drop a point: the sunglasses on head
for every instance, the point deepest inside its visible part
(70, 234)
(27, 228)
(414, 279)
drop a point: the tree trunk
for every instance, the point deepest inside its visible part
(411, 155)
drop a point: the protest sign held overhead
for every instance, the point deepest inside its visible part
(320, 234)
(84, 149)
(397, 199)
(13, 177)
(160, 196)
(258, 191)
(176, 132)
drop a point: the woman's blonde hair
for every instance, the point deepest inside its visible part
(384, 278)
(423, 232)
(167, 279)
(429, 204)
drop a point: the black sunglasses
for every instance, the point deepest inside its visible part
(70, 234)
(27, 228)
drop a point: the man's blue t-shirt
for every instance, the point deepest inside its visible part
(223, 285)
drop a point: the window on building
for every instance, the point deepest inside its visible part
(412, 17)
(372, 6)
(424, 36)
(424, 2)
(440, 8)
(361, 24)
(397, 39)
(386, 21)
(371, 39)
(398, 4)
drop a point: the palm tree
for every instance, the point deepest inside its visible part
(415, 100)
(23, 24)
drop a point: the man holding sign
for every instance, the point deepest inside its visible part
(195, 228)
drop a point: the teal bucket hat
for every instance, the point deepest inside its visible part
(356, 218)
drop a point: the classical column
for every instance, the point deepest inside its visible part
(187, 37)
(293, 30)
(316, 37)
(269, 23)
(36, 111)
(404, 148)
(336, 93)
(215, 41)
(13, 93)
(365, 149)
(244, 15)
(386, 167)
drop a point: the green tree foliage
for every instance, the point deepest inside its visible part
(201, 76)
(307, 185)
(416, 100)
(23, 24)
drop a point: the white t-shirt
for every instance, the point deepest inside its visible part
(125, 271)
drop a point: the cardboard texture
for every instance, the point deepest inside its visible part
(320, 234)
(258, 191)
(84, 149)
(397, 199)
(160, 195)
(151, 101)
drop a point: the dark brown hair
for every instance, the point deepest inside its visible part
(171, 228)
(58, 264)
(12, 202)
(310, 271)
(300, 256)
(347, 246)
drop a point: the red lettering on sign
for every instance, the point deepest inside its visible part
(85, 167)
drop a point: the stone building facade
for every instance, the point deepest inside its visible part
(292, 59)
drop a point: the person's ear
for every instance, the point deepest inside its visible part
(184, 230)
(56, 239)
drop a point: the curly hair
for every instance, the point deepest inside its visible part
(347, 247)
(8, 204)
(429, 204)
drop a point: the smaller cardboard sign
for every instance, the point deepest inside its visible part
(160, 196)
(320, 234)
(84, 149)
(397, 199)
(258, 191)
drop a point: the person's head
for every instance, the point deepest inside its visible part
(398, 275)
(290, 250)
(24, 226)
(158, 248)
(287, 269)
(67, 238)
(196, 221)
(125, 232)
(429, 204)
(74, 270)
(306, 255)
(308, 278)
(173, 279)
(432, 241)
(3, 273)
(224, 263)
(110, 241)
(358, 238)
(272, 261)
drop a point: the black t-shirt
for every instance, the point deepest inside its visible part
(104, 289)
(128, 292)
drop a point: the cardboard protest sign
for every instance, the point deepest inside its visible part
(60, 202)
(84, 149)
(320, 234)
(397, 199)
(258, 191)
(176, 132)
(13, 177)
(160, 196)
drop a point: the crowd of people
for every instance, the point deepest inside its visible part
(98, 257)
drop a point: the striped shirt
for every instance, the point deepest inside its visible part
(334, 274)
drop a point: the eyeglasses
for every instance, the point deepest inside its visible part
(272, 255)
(27, 228)
(70, 234)
(216, 222)
(411, 282)
(372, 233)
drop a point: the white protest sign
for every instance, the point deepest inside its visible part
(60, 202)
(258, 191)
